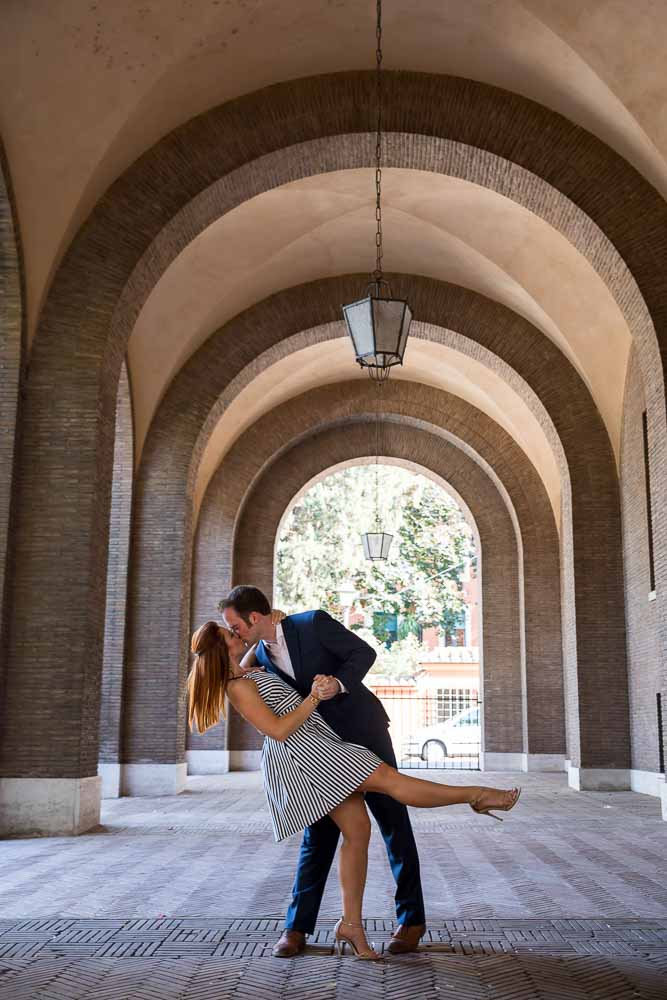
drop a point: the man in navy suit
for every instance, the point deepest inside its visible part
(297, 650)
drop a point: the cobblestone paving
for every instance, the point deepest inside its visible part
(210, 852)
(181, 897)
(187, 958)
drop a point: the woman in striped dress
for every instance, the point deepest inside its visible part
(308, 770)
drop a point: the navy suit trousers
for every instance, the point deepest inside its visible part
(318, 848)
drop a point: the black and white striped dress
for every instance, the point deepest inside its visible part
(313, 770)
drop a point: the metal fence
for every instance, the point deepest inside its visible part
(436, 728)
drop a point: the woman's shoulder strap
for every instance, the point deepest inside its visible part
(250, 675)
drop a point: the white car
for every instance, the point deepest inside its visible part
(459, 735)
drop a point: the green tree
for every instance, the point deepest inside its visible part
(320, 546)
(423, 584)
(402, 660)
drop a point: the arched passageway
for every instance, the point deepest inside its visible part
(590, 219)
(343, 409)
(488, 332)
(501, 577)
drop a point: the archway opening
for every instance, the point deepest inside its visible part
(420, 608)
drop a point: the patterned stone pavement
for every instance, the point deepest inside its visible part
(181, 897)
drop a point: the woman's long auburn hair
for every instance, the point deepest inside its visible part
(208, 678)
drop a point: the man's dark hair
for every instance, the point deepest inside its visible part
(244, 600)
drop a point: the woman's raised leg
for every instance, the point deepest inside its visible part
(354, 823)
(429, 794)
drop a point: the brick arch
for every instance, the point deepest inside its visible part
(76, 360)
(444, 417)
(485, 330)
(314, 125)
(274, 490)
(12, 347)
(422, 152)
(387, 427)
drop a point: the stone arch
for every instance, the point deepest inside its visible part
(75, 325)
(444, 417)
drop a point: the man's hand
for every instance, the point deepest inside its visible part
(326, 687)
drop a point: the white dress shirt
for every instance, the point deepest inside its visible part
(279, 654)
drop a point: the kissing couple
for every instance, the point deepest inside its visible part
(327, 759)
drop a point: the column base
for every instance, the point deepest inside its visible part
(491, 761)
(153, 779)
(245, 760)
(599, 779)
(207, 761)
(543, 762)
(49, 807)
(111, 775)
(647, 782)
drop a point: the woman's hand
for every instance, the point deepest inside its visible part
(315, 691)
(325, 687)
(277, 616)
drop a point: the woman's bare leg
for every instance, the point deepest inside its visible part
(354, 823)
(429, 794)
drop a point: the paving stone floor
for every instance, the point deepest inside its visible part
(182, 897)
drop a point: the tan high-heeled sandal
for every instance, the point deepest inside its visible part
(487, 812)
(341, 940)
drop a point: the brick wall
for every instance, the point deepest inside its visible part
(642, 614)
(119, 544)
(11, 350)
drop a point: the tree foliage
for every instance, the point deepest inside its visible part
(319, 547)
(402, 660)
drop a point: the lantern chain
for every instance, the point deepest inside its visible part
(377, 455)
(377, 274)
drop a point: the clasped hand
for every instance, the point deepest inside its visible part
(325, 687)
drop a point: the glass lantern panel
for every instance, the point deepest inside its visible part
(388, 316)
(372, 544)
(376, 545)
(386, 545)
(405, 330)
(359, 321)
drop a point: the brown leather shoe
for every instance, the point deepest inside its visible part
(291, 943)
(406, 938)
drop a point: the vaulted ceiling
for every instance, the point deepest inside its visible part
(86, 88)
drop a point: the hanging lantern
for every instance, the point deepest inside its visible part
(379, 329)
(376, 545)
(379, 325)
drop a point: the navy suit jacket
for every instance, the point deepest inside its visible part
(318, 644)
